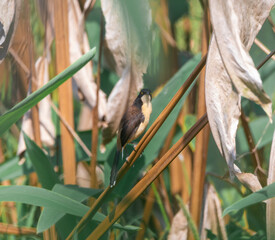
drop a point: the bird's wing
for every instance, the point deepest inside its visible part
(129, 128)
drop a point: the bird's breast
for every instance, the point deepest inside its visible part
(146, 110)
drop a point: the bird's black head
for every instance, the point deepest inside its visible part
(145, 92)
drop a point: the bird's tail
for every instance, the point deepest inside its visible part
(114, 169)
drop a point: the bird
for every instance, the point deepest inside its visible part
(132, 125)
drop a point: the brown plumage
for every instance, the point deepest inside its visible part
(133, 123)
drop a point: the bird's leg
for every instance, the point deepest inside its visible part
(126, 159)
(134, 144)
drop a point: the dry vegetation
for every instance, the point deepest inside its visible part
(205, 166)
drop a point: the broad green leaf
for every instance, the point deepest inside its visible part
(50, 216)
(256, 197)
(15, 113)
(44, 169)
(11, 169)
(42, 197)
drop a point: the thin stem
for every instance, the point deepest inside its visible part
(189, 219)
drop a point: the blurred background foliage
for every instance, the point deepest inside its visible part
(176, 45)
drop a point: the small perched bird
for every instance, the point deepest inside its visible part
(132, 124)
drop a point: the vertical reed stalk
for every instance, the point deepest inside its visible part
(94, 183)
(200, 156)
(65, 91)
(150, 200)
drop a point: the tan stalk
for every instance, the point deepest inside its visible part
(263, 47)
(53, 233)
(143, 142)
(200, 155)
(175, 169)
(94, 183)
(65, 90)
(184, 160)
(157, 225)
(151, 175)
(14, 230)
(150, 200)
(163, 191)
(160, 181)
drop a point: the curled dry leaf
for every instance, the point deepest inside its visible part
(230, 72)
(236, 24)
(179, 227)
(250, 181)
(213, 216)
(78, 42)
(8, 13)
(127, 37)
(270, 204)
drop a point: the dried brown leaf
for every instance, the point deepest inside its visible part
(127, 37)
(213, 215)
(8, 13)
(236, 24)
(223, 105)
(78, 42)
(47, 128)
(230, 72)
(179, 227)
(250, 181)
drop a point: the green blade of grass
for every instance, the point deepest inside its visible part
(15, 113)
(42, 197)
(45, 198)
(41, 163)
(256, 197)
(189, 219)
